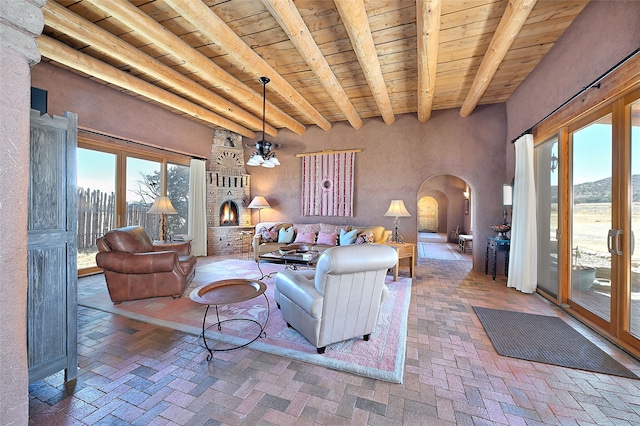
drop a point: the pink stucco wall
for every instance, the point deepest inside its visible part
(394, 163)
(601, 36)
(395, 160)
(115, 113)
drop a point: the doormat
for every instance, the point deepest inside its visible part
(546, 339)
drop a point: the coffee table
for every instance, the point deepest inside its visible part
(225, 292)
(290, 260)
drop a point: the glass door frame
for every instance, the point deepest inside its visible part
(122, 150)
(616, 177)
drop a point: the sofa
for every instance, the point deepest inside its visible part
(341, 298)
(268, 236)
(135, 268)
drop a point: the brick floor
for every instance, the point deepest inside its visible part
(132, 373)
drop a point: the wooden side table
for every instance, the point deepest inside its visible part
(405, 251)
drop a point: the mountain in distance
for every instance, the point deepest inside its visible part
(596, 192)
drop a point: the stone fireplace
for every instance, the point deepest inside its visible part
(228, 195)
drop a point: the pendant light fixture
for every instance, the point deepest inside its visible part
(264, 155)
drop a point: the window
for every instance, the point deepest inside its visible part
(117, 184)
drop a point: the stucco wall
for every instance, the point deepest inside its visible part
(20, 23)
(115, 113)
(394, 162)
(601, 36)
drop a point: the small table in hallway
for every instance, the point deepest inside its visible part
(496, 245)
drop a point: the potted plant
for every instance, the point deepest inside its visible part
(582, 277)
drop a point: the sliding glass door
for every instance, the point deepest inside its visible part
(595, 241)
(631, 316)
(547, 171)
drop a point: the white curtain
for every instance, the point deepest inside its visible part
(197, 208)
(523, 258)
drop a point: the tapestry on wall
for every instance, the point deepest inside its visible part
(327, 184)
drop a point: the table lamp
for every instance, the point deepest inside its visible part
(397, 209)
(162, 206)
(259, 202)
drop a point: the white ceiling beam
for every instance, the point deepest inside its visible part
(215, 29)
(511, 23)
(354, 17)
(288, 16)
(63, 20)
(428, 29)
(67, 56)
(230, 87)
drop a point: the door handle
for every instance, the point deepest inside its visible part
(610, 237)
(614, 236)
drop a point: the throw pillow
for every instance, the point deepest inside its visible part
(305, 237)
(364, 238)
(285, 236)
(269, 235)
(347, 238)
(327, 238)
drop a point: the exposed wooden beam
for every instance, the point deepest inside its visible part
(232, 88)
(428, 29)
(354, 17)
(512, 21)
(285, 12)
(215, 29)
(65, 55)
(63, 20)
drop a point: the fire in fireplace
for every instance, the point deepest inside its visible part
(229, 214)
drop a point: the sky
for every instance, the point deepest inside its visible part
(97, 170)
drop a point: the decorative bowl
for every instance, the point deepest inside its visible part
(298, 248)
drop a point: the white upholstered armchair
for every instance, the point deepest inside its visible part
(341, 299)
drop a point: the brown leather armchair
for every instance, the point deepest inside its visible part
(135, 268)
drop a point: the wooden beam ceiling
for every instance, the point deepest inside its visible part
(354, 16)
(328, 61)
(287, 15)
(512, 21)
(428, 37)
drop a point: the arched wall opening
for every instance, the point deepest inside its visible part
(445, 205)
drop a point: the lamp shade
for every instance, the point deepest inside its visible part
(397, 209)
(259, 202)
(162, 205)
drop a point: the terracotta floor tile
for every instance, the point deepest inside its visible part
(136, 373)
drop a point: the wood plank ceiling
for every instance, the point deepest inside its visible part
(328, 61)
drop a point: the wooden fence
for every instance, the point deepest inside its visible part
(96, 212)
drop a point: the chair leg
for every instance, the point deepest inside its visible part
(366, 337)
(321, 350)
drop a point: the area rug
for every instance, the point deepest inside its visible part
(382, 357)
(546, 339)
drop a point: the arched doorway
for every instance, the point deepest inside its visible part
(427, 214)
(444, 208)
